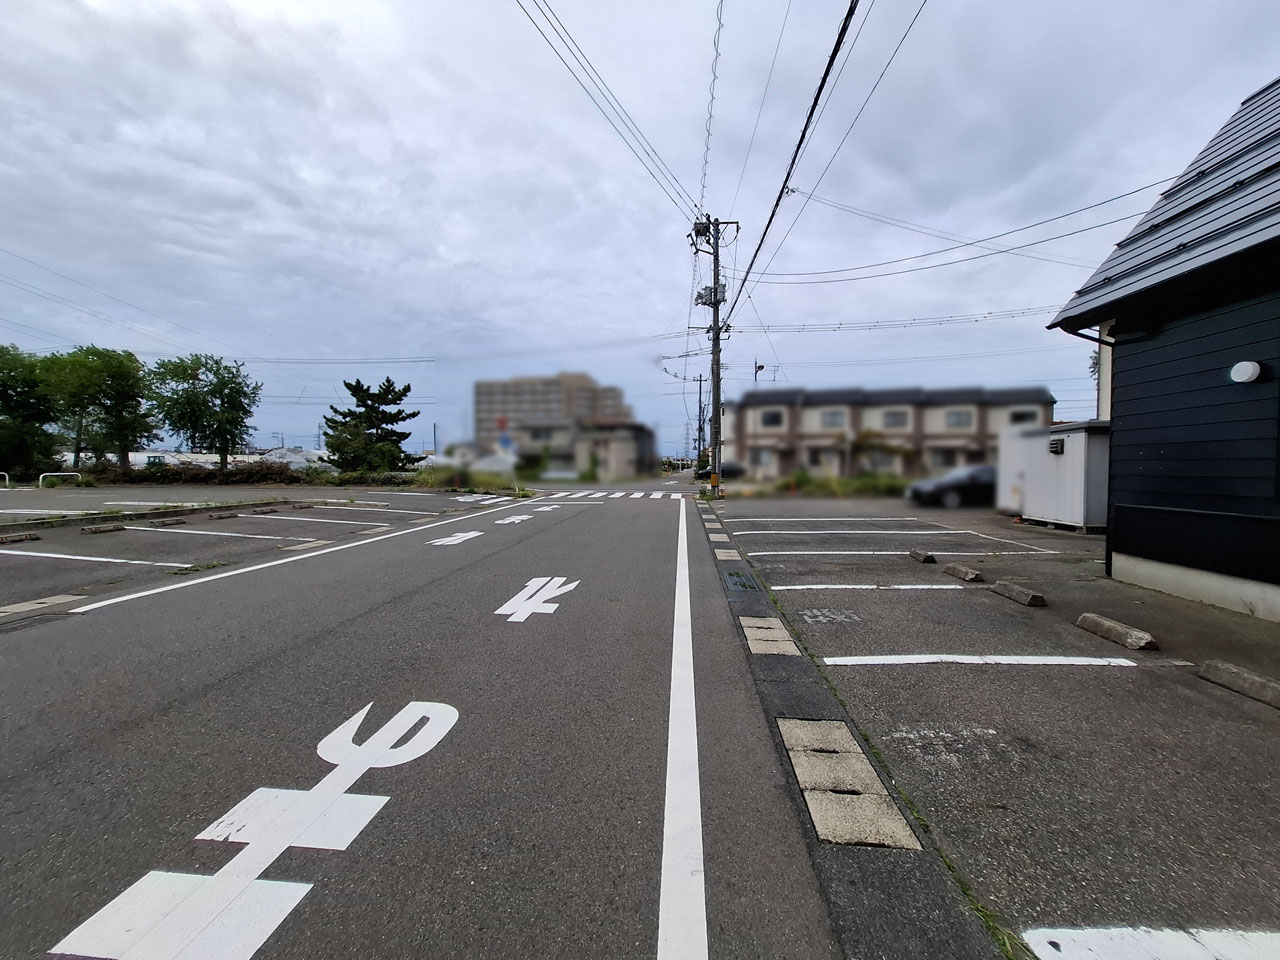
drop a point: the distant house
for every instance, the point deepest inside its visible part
(564, 446)
(903, 431)
(1187, 309)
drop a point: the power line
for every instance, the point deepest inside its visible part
(874, 87)
(667, 182)
(839, 326)
(937, 357)
(948, 263)
(840, 73)
(760, 110)
(795, 154)
(711, 102)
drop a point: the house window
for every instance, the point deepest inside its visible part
(832, 419)
(771, 418)
(895, 419)
(1024, 416)
(940, 459)
(879, 461)
(815, 457)
(959, 419)
(155, 459)
(761, 458)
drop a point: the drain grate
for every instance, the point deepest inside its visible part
(35, 621)
(740, 580)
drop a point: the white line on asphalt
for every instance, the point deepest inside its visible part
(615, 496)
(372, 503)
(655, 496)
(676, 496)
(872, 586)
(682, 900)
(307, 546)
(405, 493)
(215, 533)
(158, 503)
(302, 556)
(1144, 943)
(987, 536)
(895, 553)
(39, 604)
(812, 519)
(575, 496)
(73, 556)
(276, 516)
(56, 512)
(557, 496)
(637, 496)
(602, 493)
(895, 533)
(416, 513)
(1023, 661)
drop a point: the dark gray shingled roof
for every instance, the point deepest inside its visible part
(1226, 202)
(857, 396)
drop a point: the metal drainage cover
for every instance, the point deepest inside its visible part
(35, 621)
(740, 580)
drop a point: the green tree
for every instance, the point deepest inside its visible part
(207, 401)
(103, 400)
(26, 410)
(364, 438)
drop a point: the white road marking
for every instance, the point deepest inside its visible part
(405, 493)
(894, 533)
(533, 598)
(159, 503)
(553, 506)
(575, 496)
(676, 496)
(987, 536)
(38, 604)
(51, 513)
(895, 553)
(290, 516)
(637, 496)
(215, 533)
(656, 496)
(182, 585)
(308, 546)
(521, 518)
(456, 538)
(602, 493)
(346, 500)
(1144, 943)
(562, 493)
(615, 496)
(682, 899)
(416, 513)
(488, 500)
(872, 586)
(813, 519)
(231, 914)
(72, 556)
(1017, 661)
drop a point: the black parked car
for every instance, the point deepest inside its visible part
(963, 485)
(728, 471)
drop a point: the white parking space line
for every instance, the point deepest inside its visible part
(406, 493)
(215, 533)
(302, 556)
(73, 556)
(896, 553)
(895, 533)
(987, 536)
(55, 512)
(637, 496)
(275, 516)
(873, 586)
(818, 519)
(1016, 661)
(416, 513)
(682, 900)
(346, 500)
(1144, 943)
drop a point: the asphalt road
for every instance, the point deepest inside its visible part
(180, 765)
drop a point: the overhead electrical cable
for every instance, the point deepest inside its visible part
(874, 87)
(655, 168)
(795, 153)
(760, 109)
(711, 102)
(844, 62)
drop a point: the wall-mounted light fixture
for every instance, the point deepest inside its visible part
(1246, 371)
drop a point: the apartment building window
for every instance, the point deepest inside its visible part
(895, 419)
(771, 418)
(1024, 416)
(832, 419)
(941, 459)
(959, 419)
(761, 458)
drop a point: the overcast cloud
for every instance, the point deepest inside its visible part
(311, 179)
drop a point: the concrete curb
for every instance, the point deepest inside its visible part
(1117, 632)
(1019, 594)
(967, 574)
(92, 518)
(1245, 682)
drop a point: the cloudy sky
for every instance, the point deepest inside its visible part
(326, 180)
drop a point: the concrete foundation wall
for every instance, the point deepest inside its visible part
(1234, 593)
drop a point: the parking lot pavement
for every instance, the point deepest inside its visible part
(1075, 784)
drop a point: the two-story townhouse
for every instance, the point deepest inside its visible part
(905, 431)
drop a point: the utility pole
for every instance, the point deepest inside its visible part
(711, 231)
(702, 422)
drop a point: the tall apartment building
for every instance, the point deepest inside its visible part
(530, 399)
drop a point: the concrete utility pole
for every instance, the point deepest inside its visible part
(711, 231)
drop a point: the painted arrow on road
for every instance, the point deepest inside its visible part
(554, 506)
(456, 538)
(533, 598)
(522, 517)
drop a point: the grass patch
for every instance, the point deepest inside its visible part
(196, 568)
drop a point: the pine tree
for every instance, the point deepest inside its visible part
(363, 438)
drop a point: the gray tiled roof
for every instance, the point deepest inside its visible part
(1225, 202)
